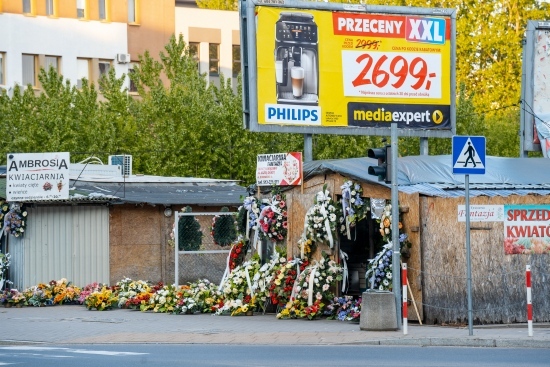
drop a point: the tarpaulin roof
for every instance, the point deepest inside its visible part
(433, 175)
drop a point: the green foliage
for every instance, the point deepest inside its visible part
(189, 232)
(218, 4)
(224, 230)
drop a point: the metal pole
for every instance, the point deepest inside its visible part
(176, 249)
(468, 256)
(308, 147)
(396, 257)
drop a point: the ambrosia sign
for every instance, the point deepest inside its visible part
(37, 176)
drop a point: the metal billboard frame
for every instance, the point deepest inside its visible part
(527, 143)
(247, 13)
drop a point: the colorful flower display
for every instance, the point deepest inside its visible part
(321, 219)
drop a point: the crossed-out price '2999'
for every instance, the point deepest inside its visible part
(391, 74)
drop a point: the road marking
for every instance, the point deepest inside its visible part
(68, 350)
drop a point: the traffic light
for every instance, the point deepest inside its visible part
(383, 170)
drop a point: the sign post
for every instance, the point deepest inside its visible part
(468, 158)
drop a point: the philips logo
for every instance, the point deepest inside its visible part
(427, 30)
(293, 115)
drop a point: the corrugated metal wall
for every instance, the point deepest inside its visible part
(69, 242)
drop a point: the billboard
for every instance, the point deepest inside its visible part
(326, 68)
(535, 91)
(37, 176)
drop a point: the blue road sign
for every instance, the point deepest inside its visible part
(469, 155)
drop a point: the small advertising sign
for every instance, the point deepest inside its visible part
(281, 169)
(37, 176)
(482, 213)
(526, 229)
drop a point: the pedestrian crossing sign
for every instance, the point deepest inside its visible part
(469, 155)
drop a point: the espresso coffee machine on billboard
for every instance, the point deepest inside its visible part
(296, 59)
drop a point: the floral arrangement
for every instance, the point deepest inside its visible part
(39, 295)
(14, 218)
(272, 221)
(139, 301)
(223, 229)
(164, 299)
(237, 253)
(13, 296)
(345, 308)
(247, 216)
(129, 289)
(64, 292)
(236, 287)
(282, 283)
(263, 278)
(320, 220)
(316, 281)
(299, 309)
(313, 311)
(379, 270)
(101, 300)
(307, 247)
(185, 303)
(385, 224)
(354, 207)
(89, 289)
(205, 294)
(292, 310)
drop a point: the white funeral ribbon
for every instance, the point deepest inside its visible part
(311, 283)
(294, 288)
(346, 205)
(248, 281)
(322, 200)
(226, 272)
(345, 284)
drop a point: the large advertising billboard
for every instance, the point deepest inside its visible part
(535, 91)
(347, 70)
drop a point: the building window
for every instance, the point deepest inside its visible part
(81, 9)
(104, 67)
(236, 60)
(29, 70)
(29, 7)
(104, 14)
(83, 71)
(2, 72)
(51, 8)
(194, 48)
(133, 11)
(131, 71)
(214, 59)
(51, 62)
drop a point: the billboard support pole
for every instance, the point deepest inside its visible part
(308, 147)
(396, 255)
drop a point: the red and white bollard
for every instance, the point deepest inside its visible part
(404, 283)
(529, 302)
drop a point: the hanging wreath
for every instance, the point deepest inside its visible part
(14, 219)
(273, 222)
(247, 216)
(223, 228)
(190, 235)
(354, 207)
(320, 220)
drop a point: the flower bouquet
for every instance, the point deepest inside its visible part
(316, 281)
(320, 220)
(205, 295)
(131, 293)
(64, 292)
(282, 283)
(164, 299)
(345, 308)
(264, 277)
(89, 289)
(101, 300)
(354, 207)
(237, 253)
(39, 295)
(247, 216)
(236, 287)
(16, 298)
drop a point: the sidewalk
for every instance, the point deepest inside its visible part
(77, 325)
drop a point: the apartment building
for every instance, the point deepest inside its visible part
(213, 37)
(79, 38)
